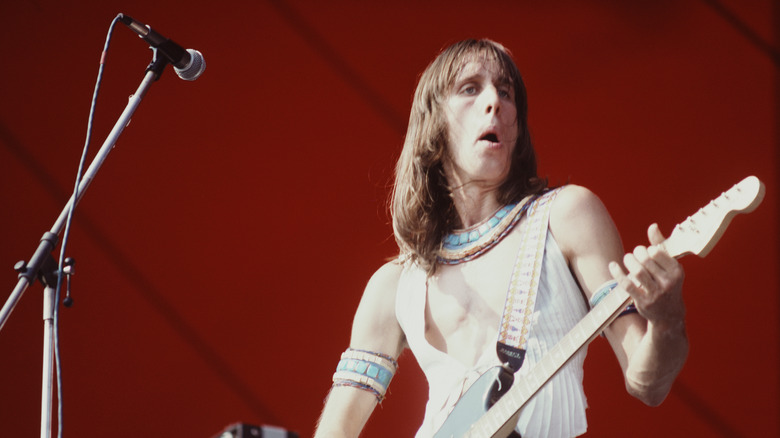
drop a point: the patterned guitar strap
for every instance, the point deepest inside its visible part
(521, 295)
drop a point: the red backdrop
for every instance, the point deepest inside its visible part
(223, 247)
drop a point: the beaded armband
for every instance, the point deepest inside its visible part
(603, 291)
(365, 370)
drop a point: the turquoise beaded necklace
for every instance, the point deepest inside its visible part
(464, 245)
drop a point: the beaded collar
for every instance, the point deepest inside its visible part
(464, 245)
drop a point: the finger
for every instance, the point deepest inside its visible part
(636, 273)
(643, 271)
(636, 263)
(650, 269)
(625, 282)
(662, 258)
(654, 234)
(642, 256)
(620, 275)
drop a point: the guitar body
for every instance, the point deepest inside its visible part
(490, 386)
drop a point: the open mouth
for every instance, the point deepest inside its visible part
(493, 138)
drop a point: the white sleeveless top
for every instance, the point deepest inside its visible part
(558, 409)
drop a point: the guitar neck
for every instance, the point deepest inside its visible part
(696, 235)
(526, 386)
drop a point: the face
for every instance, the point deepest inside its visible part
(482, 126)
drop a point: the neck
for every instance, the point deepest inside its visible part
(474, 203)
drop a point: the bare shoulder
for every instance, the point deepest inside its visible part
(381, 288)
(375, 326)
(387, 275)
(577, 216)
(573, 202)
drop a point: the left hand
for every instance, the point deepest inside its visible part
(654, 280)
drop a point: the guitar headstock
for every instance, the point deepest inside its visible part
(699, 233)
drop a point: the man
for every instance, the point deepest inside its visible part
(465, 188)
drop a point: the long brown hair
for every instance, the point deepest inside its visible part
(421, 204)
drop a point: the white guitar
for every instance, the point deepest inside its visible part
(486, 411)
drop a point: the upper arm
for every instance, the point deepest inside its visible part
(586, 235)
(589, 240)
(376, 329)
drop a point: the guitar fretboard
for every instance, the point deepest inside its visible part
(526, 386)
(696, 235)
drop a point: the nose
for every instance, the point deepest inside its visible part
(491, 100)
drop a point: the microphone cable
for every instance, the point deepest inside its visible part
(66, 232)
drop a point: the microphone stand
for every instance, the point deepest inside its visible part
(43, 266)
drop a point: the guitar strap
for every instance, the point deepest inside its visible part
(521, 295)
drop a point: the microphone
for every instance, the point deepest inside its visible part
(188, 64)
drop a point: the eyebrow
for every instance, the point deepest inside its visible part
(506, 81)
(470, 78)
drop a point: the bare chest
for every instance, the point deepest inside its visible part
(465, 302)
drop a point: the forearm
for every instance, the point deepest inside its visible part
(345, 414)
(657, 360)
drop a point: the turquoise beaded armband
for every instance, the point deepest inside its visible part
(365, 370)
(603, 291)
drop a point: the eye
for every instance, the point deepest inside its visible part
(469, 89)
(505, 93)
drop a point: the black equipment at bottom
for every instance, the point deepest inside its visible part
(242, 430)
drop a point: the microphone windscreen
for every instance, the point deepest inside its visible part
(194, 68)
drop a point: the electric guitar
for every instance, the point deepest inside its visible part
(492, 404)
